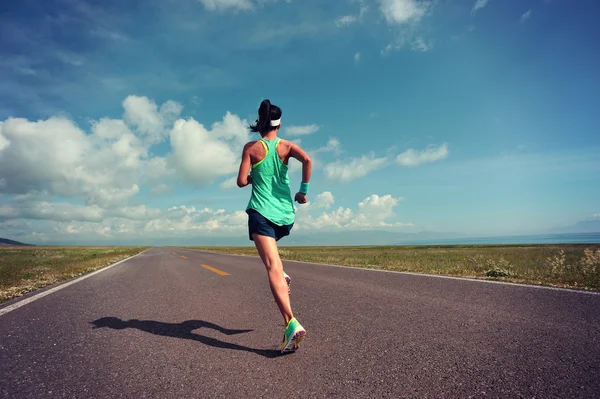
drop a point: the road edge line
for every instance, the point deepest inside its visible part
(476, 280)
(35, 297)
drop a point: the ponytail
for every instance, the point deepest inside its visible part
(266, 113)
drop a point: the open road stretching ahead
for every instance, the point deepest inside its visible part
(162, 325)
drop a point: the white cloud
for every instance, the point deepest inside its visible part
(182, 219)
(373, 212)
(413, 157)
(232, 129)
(403, 11)
(345, 20)
(199, 156)
(99, 173)
(526, 16)
(335, 219)
(42, 210)
(333, 145)
(324, 200)
(345, 171)
(73, 163)
(3, 141)
(479, 4)
(226, 4)
(356, 57)
(301, 130)
(150, 120)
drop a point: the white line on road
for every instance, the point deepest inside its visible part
(25, 301)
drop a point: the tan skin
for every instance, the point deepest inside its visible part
(267, 246)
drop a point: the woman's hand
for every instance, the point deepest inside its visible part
(300, 198)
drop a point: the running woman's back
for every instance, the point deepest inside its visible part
(271, 195)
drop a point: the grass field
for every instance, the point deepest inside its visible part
(573, 266)
(24, 269)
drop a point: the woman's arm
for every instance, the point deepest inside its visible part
(243, 178)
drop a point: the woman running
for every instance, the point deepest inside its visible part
(271, 210)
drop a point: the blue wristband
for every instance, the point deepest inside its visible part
(304, 187)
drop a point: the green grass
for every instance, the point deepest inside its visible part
(25, 269)
(553, 265)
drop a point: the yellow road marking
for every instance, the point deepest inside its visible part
(212, 269)
(174, 253)
(183, 257)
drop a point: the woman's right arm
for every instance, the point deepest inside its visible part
(243, 178)
(302, 156)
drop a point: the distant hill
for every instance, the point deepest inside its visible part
(303, 238)
(584, 226)
(6, 242)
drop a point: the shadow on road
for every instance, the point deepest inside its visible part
(182, 330)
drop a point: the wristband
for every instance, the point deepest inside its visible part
(304, 187)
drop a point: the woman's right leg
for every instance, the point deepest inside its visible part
(267, 249)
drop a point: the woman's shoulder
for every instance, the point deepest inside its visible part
(285, 142)
(249, 144)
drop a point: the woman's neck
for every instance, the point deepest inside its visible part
(271, 135)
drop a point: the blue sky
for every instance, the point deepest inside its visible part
(123, 120)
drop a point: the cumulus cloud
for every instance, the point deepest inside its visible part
(345, 171)
(42, 210)
(56, 156)
(59, 180)
(98, 174)
(479, 4)
(150, 120)
(413, 157)
(324, 200)
(3, 141)
(301, 130)
(333, 145)
(105, 167)
(373, 212)
(403, 11)
(198, 155)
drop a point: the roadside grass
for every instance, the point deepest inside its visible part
(25, 269)
(570, 266)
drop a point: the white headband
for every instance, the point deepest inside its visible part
(276, 122)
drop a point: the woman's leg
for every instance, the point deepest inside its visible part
(267, 248)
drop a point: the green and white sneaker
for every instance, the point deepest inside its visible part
(294, 334)
(288, 280)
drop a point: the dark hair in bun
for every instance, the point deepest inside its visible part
(267, 112)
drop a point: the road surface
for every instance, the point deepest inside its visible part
(161, 325)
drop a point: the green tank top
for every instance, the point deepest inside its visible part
(271, 195)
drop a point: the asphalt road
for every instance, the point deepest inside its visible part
(160, 325)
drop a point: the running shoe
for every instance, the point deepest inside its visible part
(294, 334)
(288, 280)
